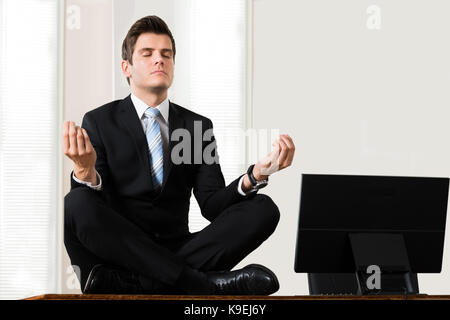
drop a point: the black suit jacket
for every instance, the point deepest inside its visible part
(123, 163)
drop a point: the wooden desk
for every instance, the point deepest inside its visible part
(159, 297)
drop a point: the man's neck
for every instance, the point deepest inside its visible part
(152, 99)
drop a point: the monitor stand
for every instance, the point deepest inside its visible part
(381, 255)
(349, 284)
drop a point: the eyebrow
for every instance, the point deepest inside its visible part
(151, 49)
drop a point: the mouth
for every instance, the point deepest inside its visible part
(158, 72)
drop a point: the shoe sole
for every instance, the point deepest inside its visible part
(269, 272)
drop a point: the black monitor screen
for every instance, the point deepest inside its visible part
(332, 207)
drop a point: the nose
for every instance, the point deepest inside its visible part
(157, 57)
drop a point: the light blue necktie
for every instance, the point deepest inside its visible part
(153, 133)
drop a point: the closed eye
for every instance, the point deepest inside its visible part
(147, 52)
(148, 55)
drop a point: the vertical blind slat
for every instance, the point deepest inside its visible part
(217, 80)
(28, 149)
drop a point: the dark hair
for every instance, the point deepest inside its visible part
(152, 24)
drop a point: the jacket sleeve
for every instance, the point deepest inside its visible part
(212, 195)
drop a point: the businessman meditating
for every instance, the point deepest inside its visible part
(126, 216)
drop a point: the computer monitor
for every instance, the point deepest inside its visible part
(349, 223)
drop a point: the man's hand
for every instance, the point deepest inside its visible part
(279, 158)
(78, 147)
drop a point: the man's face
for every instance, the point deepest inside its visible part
(153, 65)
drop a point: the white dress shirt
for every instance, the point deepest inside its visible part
(163, 120)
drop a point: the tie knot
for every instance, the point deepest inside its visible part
(151, 112)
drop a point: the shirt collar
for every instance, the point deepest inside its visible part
(141, 106)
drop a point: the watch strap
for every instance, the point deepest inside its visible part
(255, 184)
(251, 177)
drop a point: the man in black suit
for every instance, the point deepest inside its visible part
(126, 216)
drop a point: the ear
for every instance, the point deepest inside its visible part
(126, 68)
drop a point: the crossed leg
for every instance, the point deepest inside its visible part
(97, 234)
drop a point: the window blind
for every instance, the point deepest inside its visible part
(217, 79)
(29, 131)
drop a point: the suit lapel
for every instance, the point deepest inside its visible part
(175, 122)
(130, 119)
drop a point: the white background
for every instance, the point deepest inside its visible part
(355, 100)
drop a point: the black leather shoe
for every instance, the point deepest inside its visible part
(112, 280)
(253, 279)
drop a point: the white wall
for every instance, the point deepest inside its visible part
(356, 101)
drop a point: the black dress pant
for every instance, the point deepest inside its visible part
(94, 234)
